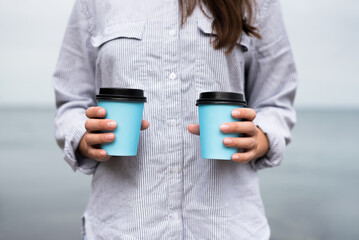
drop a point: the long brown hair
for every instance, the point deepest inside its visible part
(231, 19)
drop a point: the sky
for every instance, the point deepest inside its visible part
(323, 36)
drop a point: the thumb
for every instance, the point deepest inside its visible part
(193, 128)
(144, 125)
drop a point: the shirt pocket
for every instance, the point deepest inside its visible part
(218, 71)
(120, 54)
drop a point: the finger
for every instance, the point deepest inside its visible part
(243, 157)
(246, 127)
(193, 128)
(241, 142)
(95, 138)
(100, 124)
(95, 112)
(144, 125)
(244, 113)
(98, 154)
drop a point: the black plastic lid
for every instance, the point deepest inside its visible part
(221, 98)
(121, 94)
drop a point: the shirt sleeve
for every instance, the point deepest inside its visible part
(74, 86)
(271, 83)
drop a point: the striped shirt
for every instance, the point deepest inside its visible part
(168, 191)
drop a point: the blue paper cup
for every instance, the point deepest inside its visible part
(125, 107)
(214, 109)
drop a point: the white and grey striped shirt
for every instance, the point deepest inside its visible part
(167, 191)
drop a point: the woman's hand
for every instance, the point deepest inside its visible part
(89, 144)
(253, 140)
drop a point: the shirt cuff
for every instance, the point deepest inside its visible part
(72, 156)
(276, 141)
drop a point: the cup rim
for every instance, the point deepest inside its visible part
(221, 97)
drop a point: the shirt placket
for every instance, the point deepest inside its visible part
(172, 89)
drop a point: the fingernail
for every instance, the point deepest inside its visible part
(103, 153)
(101, 112)
(224, 127)
(235, 157)
(227, 141)
(236, 113)
(111, 124)
(109, 136)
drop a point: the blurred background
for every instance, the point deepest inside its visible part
(312, 195)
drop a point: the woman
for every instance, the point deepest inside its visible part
(175, 49)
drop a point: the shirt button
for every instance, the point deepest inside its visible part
(175, 216)
(172, 32)
(175, 170)
(173, 76)
(173, 122)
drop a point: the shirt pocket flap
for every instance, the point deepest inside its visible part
(205, 25)
(132, 30)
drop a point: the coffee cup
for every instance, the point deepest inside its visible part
(215, 108)
(125, 107)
